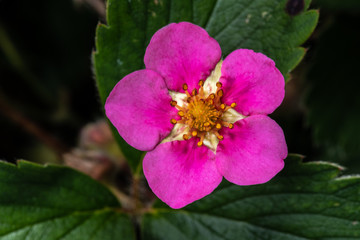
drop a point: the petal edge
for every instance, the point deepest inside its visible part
(182, 53)
(252, 152)
(252, 81)
(139, 108)
(180, 172)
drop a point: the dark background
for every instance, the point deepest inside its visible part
(48, 92)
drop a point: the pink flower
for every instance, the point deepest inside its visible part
(200, 118)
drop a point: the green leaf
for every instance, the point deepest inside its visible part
(54, 202)
(261, 25)
(333, 96)
(305, 201)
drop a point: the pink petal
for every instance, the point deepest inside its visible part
(180, 172)
(252, 81)
(139, 108)
(182, 53)
(252, 152)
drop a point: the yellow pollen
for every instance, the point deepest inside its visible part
(202, 114)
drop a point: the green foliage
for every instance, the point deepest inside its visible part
(55, 202)
(305, 201)
(263, 26)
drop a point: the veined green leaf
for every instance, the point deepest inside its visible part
(54, 202)
(305, 201)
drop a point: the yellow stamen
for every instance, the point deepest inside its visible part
(212, 96)
(194, 92)
(200, 143)
(173, 103)
(220, 137)
(202, 114)
(185, 137)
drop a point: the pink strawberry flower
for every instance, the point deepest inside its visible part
(199, 117)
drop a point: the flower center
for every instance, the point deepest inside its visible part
(203, 113)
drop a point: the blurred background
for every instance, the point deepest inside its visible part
(48, 95)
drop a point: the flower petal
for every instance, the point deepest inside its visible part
(252, 81)
(180, 172)
(182, 53)
(139, 107)
(252, 152)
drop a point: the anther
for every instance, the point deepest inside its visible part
(218, 126)
(200, 143)
(185, 86)
(194, 92)
(212, 96)
(194, 133)
(220, 137)
(231, 126)
(206, 124)
(173, 103)
(185, 137)
(173, 121)
(233, 105)
(181, 113)
(220, 93)
(201, 83)
(218, 84)
(222, 106)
